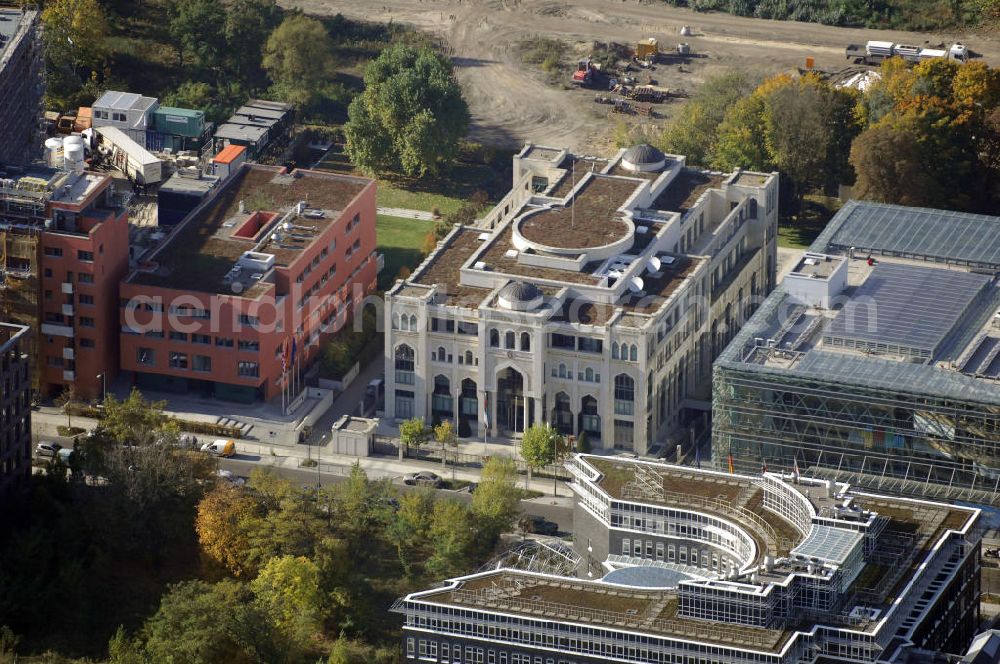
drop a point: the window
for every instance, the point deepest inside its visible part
(179, 336)
(48, 295)
(202, 363)
(494, 339)
(525, 341)
(588, 345)
(85, 255)
(86, 321)
(223, 342)
(404, 404)
(563, 341)
(86, 343)
(248, 369)
(624, 395)
(145, 356)
(118, 117)
(87, 300)
(85, 278)
(178, 360)
(53, 252)
(614, 351)
(508, 340)
(201, 339)
(55, 361)
(249, 345)
(468, 357)
(626, 547)
(404, 365)
(48, 272)
(633, 353)
(442, 325)
(248, 320)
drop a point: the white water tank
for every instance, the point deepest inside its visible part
(73, 154)
(53, 152)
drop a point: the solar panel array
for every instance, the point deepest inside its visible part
(959, 237)
(905, 309)
(828, 544)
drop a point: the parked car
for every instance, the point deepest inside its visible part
(47, 449)
(422, 478)
(222, 447)
(537, 525)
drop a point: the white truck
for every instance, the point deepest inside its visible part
(874, 52)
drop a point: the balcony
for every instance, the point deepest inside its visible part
(67, 310)
(66, 288)
(55, 330)
(69, 375)
(69, 354)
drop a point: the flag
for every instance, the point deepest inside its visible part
(732, 470)
(697, 457)
(763, 467)
(795, 466)
(284, 360)
(294, 349)
(486, 409)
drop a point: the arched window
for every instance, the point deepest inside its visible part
(614, 350)
(562, 370)
(404, 364)
(624, 395)
(494, 339)
(525, 341)
(589, 375)
(441, 355)
(634, 353)
(413, 323)
(468, 357)
(508, 339)
(395, 321)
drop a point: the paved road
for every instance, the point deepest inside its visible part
(559, 514)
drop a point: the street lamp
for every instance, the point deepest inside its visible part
(104, 386)
(319, 481)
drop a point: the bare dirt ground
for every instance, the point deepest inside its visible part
(512, 104)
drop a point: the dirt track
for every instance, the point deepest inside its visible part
(511, 105)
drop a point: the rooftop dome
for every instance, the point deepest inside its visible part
(520, 296)
(643, 157)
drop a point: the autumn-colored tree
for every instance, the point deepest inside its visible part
(496, 501)
(288, 591)
(221, 525)
(741, 140)
(890, 168)
(446, 436)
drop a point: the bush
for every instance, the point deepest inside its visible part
(69, 432)
(583, 443)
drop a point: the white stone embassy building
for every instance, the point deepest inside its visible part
(594, 296)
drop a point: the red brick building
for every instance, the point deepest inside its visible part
(65, 248)
(270, 257)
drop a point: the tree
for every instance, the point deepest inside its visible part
(248, 25)
(496, 501)
(583, 443)
(411, 115)
(444, 434)
(134, 420)
(410, 527)
(299, 59)
(451, 537)
(542, 445)
(741, 138)
(288, 590)
(197, 28)
(222, 527)
(413, 432)
(67, 400)
(75, 33)
(694, 132)
(202, 623)
(890, 167)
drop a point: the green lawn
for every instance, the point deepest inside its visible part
(426, 201)
(800, 233)
(401, 241)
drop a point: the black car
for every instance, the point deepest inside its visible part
(537, 525)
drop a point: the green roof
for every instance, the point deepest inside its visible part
(174, 110)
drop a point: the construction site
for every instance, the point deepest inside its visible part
(512, 104)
